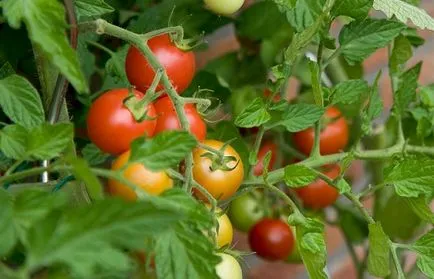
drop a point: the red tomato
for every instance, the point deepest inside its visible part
(268, 93)
(265, 148)
(112, 127)
(168, 119)
(180, 66)
(334, 137)
(319, 194)
(271, 239)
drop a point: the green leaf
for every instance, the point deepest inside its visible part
(401, 53)
(13, 141)
(163, 151)
(299, 117)
(357, 9)
(406, 92)
(45, 22)
(425, 245)
(412, 177)
(20, 101)
(405, 12)
(93, 237)
(43, 142)
(312, 248)
(297, 176)
(360, 39)
(420, 206)
(82, 172)
(7, 231)
(92, 8)
(426, 265)
(305, 13)
(316, 85)
(93, 155)
(427, 95)
(424, 127)
(343, 186)
(349, 92)
(254, 115)
(379, 253)
(6, 69)
(374, 107)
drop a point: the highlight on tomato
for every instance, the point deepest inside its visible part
(179, 65)
(319, 194)
(167, 118)
(224, 7)
(221, 177)
(153, 183)
(271, 239)
(112, 127)
(333, 138)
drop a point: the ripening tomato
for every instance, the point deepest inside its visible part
(180, 65)
(319, 194)
(224, 7)
(228, 268)
(334, 136)
(221, 184)
(167, 119)
(153, 183)
(265, 148)
(245, 211)
(112, 127)
(225, 233)
(271, 239)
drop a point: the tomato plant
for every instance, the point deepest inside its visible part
(333, 138)
(112, 127)
(271, 239)
(167, 118)
(105, 154)
(319, 194)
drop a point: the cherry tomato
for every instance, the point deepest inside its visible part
(225, 233)
(319, 194)
(168, 119)
(271, 239)
(333, 138)
(268, 93)
(221, 184)
(154, 183)
(180, 66)
(229, 268)
(265, 148)
(245, 211)
(224, 7)
(112, 127)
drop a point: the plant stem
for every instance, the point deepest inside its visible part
(101, 27)
(315, 153)
(13, 167)
(395, 258)
(284, 197)
(256, 147)
(334, 55)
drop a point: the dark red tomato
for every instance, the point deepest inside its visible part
(265, 148)
(180, 66)
(168, 119)
(319, 194)
(268, 93)
(112, 127)
(271, 239)
(334, 136)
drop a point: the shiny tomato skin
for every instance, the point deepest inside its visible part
(221, 184)
(167, 119)
(225, 232)
(334, 137)
(228, 268)
(180, 66)
(319, 194)
(112, 127)
(271, 239)
(153, 183)
(245, 211)
(265, 148)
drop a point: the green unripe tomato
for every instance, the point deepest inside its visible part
(229, 268)
(224, 7)
(244, 212)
